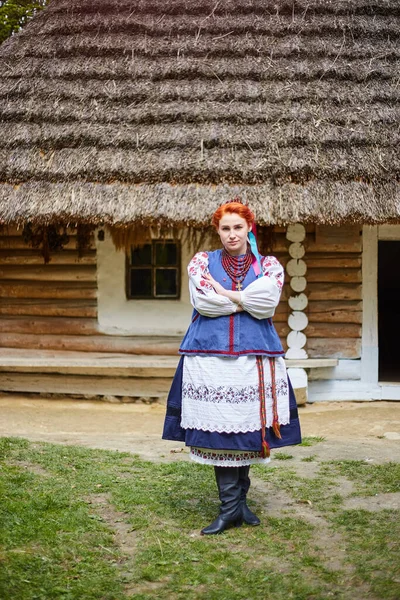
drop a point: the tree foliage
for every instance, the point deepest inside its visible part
(14, 14)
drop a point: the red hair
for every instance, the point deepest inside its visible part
(233, 206)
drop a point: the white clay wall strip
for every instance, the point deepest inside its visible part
(296, 268)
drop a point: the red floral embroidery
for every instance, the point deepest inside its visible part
(198, 267)
(231, 395)
(226, 456)
(276, 270)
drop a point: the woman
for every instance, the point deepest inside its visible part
(231, 400)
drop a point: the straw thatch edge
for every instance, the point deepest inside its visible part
(320, 202)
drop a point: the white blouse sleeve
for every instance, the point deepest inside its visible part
(202, 295)
(261, 297)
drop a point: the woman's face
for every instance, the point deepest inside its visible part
(233, 231)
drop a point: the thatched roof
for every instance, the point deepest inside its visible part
(126, 110)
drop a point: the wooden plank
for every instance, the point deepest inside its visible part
(106, 364)
(88, 364)
(49, 325)
(46, 356)
(282, 328)
(76, 384)
(49, 308)
(331, 235)
(332, 261)
(333, 330)
(280, 244)
(332, 291)
(99, 343)
(344, 311)
(334, 275)
(327, 306)
(311, 363)
(49, 273)
(337, 316)
(280, 318)
(282, 259)
(30, 257)
(389, 232)
(286, 292)
(100, 371)
(60, 290)
(334, 348)
(346, 246)
(282, 308)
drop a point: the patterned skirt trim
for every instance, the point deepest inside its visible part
(227, 458)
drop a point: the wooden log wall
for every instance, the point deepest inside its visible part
(54, 306)
(42, 305)
(334, 289)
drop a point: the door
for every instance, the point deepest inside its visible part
(389, 310)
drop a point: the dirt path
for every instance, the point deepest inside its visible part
(352, 430)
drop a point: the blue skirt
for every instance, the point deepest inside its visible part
(251, 440)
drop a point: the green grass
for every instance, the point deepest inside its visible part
(282, 456)
(370, 479)
(374, 546)
(320, 491)
(89, 524)
(310, 458)
(311, 441)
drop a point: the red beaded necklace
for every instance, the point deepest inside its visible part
(236, 266)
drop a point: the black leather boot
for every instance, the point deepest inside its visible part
(244, 481)
(230, 514)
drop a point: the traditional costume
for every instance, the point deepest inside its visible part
(231, 400)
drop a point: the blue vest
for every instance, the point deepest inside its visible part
(232, 335)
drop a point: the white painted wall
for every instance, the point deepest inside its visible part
(119, 316)
(346, 369)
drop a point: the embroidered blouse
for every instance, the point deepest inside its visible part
(259, 299)
(233, 333)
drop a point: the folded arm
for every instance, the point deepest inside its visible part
(262, 296)
(203, 296)
(211, 299)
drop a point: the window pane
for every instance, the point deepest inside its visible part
(141, 256)
(166, 282)
(166, 254)
(140, 284)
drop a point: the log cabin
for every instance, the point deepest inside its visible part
(125, 123)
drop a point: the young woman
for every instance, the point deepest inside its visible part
(231, 400)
